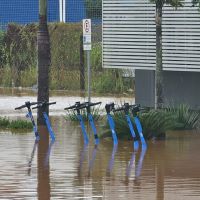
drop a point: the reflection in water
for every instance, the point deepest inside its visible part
(46, 162)
(91, 162)
(167, 170)
(136, 165)
(32, 156)
(130, 165)
(140, 162)
(111, 162)
(82, 157)
(43, 170)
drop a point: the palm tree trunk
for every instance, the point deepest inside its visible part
(159, 70)
(44, 58)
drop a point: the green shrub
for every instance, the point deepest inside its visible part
(6, 77)
(184, 117)
(2, 49)
(18, 59)
(156, 123)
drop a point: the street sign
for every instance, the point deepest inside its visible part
(86, 26)
(87, 34)
(87, 47)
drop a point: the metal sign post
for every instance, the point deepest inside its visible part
(87, 47)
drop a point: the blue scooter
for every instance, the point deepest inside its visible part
(28, 105)
(135, 109)
(126, 108)
(44, 105)
(76, 107)
(88, 105)
(109, 108)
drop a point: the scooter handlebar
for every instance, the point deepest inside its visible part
(75, 106)
(50, 103)
(27, 104)
(70, 107)
(20, 107)
(44, 104)
(88, 104)
(94, 104)
(118, 109)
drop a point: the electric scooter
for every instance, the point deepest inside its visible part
(88, 105)
(44, 105)
(126, 108)
(28, 105)
(76, 107)
(109, 108)
(135, 109)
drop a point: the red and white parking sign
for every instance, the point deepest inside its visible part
(86, 26)
(87, 34)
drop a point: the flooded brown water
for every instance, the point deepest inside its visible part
(66, 169)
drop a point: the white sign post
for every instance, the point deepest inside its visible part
(87, 47)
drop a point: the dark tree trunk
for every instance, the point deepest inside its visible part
(43, 64)
(159, 70)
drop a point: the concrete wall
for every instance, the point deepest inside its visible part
(179, 87)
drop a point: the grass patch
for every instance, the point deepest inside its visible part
(6, 123)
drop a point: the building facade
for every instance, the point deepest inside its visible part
(129, 41)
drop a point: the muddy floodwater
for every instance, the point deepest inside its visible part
(66, 169)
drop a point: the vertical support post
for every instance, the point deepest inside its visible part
(87, 47)
(64, 11)
(61, 10)
(89, 75)
(82, 67)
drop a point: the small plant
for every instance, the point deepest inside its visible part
(20, 124)
(184, 117)
(4, 122)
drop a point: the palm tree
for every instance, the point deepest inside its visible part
(43, 58)
(159, 68)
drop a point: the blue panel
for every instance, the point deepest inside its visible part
(21, 11)
(26, 11)
(75, 10)
(53, 10)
